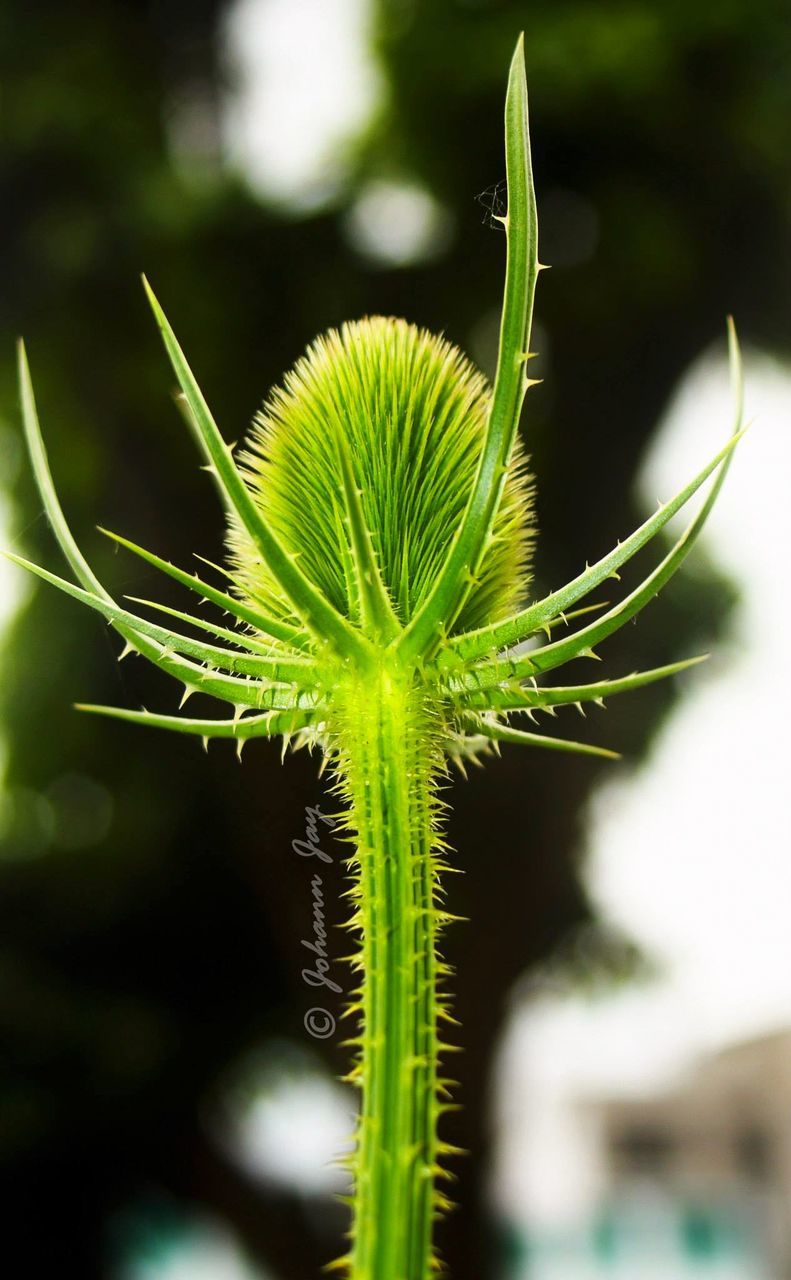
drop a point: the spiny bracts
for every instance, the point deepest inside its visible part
(410, 412)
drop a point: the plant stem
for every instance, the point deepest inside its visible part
(390, 762)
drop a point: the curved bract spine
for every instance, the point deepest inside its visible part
(511, 381)
(268, 725)
(259, 621)
(245, 641)
(580, 644)
(315, 610)
(497, 732)
(276, 670)
(382, 637)
(539, 697)
(513, 631)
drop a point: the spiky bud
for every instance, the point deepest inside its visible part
(410, 411)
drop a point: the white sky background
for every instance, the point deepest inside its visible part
(303, 83)
(689, 852)
(10, 576)
(13, 589)
(303, 87)
(695, 854)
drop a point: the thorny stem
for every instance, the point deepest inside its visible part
(389, 775)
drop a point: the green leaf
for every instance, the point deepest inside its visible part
(258, 726)
(533, 699)
(260, 621)
(581, 644)
(243, 640)
(505, 733)
(310, 604)
(563, 619)
(49, 497)
(281, 671)
(231, 689)
(511, 381)
(525, 624)
(512, 631)
(43, 475)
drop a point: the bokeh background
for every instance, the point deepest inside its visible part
(623, 979)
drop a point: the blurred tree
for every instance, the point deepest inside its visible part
(145, 949)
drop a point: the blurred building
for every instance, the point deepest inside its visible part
(719, 1147)
(693, 1181)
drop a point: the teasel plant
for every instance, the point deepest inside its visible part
(379, 535)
